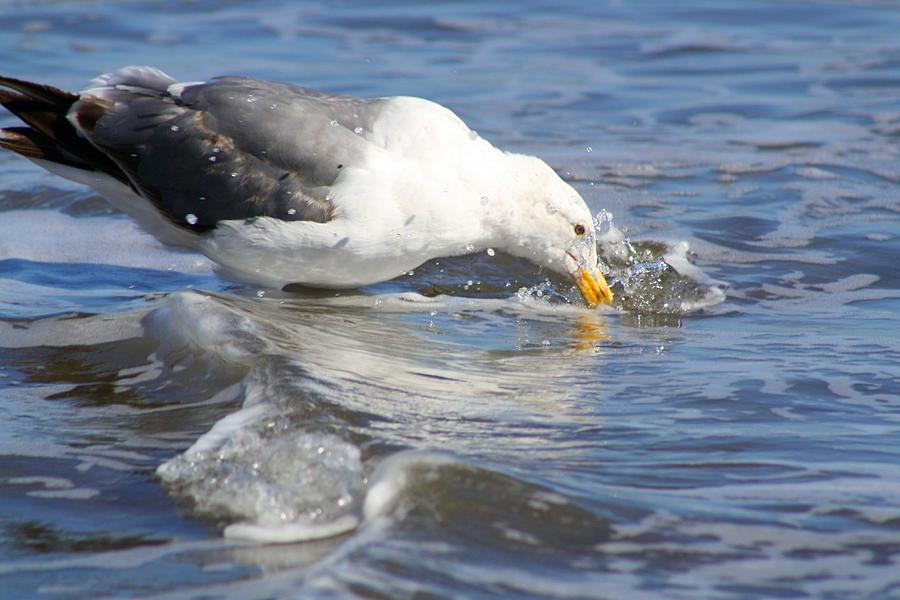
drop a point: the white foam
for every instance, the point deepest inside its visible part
(286, 533)
(714, 292)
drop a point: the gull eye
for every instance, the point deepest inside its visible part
(579, 229)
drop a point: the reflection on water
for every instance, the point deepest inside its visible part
(339, 356)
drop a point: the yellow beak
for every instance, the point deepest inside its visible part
(593, 287)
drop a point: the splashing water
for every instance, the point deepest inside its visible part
(544, 291)
(646, 278)
(652, 277)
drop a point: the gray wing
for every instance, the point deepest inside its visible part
(232, 148)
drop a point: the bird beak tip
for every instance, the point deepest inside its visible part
(593, 287)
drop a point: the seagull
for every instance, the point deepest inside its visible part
(280, 184)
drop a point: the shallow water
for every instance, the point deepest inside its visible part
(730, 430)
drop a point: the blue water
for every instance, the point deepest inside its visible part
(485, 438)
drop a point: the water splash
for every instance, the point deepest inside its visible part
(545, 291)
(275, 480)
(652, 277)
(646, 277)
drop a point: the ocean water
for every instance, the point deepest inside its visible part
(729, 430)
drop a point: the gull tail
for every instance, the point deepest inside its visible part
(49, 135)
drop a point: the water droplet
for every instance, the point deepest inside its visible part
(358, 131)
(175, 128)
(334, 123)
(191, 218)
(490, 252)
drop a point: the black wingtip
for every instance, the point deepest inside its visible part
(59, 99)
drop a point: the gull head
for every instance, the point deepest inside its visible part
(551, 226)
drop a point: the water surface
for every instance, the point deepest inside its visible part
(730, 430)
